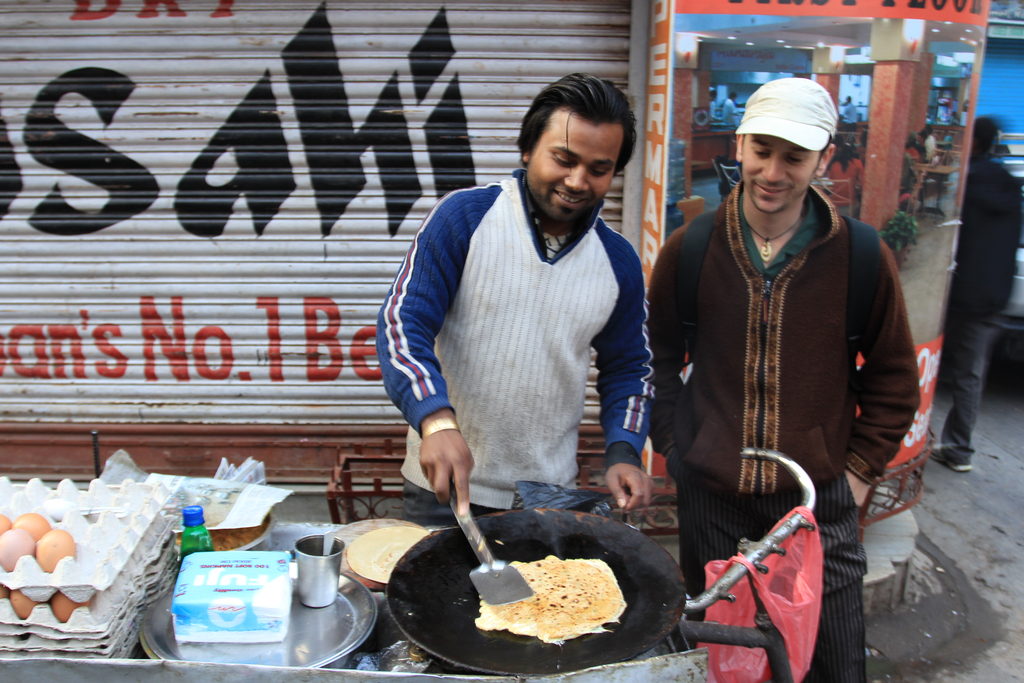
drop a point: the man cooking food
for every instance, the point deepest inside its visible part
(486, 335)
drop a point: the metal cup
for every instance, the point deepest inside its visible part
(317, 571)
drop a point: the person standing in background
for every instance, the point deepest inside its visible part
(729, 110)
(931, 146)
(982, 282)
(849, 111)
(486, 336)
(847, 173)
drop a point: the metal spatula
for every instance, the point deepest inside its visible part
(497, 582)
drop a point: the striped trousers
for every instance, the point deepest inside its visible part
(710, 525)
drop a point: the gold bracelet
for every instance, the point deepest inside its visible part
(439, 425)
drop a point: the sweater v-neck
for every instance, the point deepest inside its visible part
(539, 236)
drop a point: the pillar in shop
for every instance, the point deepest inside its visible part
(703, 86)
(896, 46)
(684, 83)
(827, 64)
(682, 116)
(888, 132)
(831, 83)
(919, 96)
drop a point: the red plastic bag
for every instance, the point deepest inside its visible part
(790, 592)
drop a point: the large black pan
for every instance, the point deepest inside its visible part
(432, 600)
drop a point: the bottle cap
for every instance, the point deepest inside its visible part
(192, 515)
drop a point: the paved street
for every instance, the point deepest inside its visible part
(968, 621)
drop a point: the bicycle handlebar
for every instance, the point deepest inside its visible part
(756, 552)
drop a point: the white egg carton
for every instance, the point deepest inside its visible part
(104, 544)
(120, 643)
(106, 610)
(87, 634)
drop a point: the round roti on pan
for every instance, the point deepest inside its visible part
(374, 554)
(570, 598)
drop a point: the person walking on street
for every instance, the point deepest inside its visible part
(771, 367)
(981, 286)
(485, 336)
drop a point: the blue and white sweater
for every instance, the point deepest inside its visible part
(478, 319)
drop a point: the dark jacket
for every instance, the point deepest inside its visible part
(987, 248)
(771, 369)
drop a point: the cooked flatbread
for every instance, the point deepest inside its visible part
(570, 598)
(374, 554)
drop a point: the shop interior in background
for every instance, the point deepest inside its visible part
(902, 88)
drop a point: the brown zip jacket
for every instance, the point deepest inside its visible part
(771, 363)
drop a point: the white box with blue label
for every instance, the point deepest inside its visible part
(241, 596)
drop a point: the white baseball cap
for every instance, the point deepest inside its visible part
(794, 109)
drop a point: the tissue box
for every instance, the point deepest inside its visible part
(232, 597)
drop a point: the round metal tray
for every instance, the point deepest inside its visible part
(315, 638)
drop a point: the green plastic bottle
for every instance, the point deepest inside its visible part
(195, 538)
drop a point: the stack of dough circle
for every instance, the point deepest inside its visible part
(374, 554)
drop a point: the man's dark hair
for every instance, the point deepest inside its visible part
(986, 130)
(589, 97)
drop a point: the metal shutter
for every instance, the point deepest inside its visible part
(999, 93)
(202, 209)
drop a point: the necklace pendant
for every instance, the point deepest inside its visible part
(766, 252)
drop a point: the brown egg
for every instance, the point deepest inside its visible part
(62, 606)
(5, 523)
(22, 604)
(13, 545)
(34, 523)
(54, 546)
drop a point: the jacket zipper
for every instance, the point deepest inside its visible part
(761, 437)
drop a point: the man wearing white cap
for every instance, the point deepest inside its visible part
(771, 367)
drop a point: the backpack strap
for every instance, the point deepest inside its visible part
(691, 258)
(865, 257)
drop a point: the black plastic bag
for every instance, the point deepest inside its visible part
(535, 494)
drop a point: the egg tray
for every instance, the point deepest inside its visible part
(120, 641)
(102, 547)
(123, 637)
(107, 608)
(120, 648)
